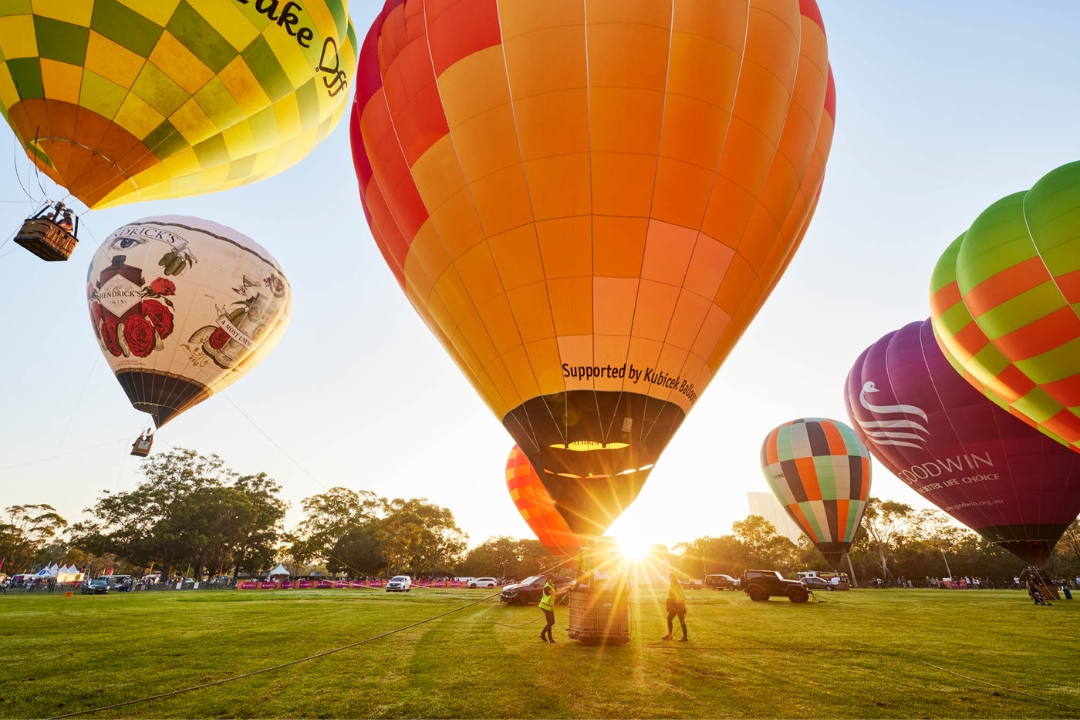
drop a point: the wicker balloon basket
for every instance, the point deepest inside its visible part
(600, 617)
(46, 239)
(1050, 592)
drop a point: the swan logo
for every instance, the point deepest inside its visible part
(904, 431)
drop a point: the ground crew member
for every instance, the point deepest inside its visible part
(547, 604)
(676, 606)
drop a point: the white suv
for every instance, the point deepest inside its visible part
(483, 582)
(399, 583)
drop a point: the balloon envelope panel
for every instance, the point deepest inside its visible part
(1004, 298)
(819, 470)
(1005, 480)
(535, 505)
(150, 99)
(588, 203)
(182, 308)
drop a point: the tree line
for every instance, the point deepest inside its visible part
(894, 541)
(192, 514)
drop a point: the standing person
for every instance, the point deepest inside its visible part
(676, 606)
(547, 604)
(66, 223)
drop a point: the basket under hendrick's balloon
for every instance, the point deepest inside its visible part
(46, 239)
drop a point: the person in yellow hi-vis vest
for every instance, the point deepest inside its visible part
(676, 606)
(547, 604)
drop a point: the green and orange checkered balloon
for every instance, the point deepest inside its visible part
(1004, 299)
(819, 471)
(125, 100)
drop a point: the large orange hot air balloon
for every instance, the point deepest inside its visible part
(535, 505)
(588, 202)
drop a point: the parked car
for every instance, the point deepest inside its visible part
(119, 583)
(760, 585)
(721, 582)
(816, 583)
(95, 587)
(529, 590)
(483, 582)
(399, 583)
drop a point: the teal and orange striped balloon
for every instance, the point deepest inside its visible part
(1004, 300)
(819, 470)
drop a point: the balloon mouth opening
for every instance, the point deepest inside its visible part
(628, 471)
(593, 449)
(160, 395)
(589, 446)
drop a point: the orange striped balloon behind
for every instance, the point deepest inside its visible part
(535, 505)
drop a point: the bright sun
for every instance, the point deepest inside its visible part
(634, 548)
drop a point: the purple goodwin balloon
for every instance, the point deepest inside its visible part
(1003, 479)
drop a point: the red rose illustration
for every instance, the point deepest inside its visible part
(159, 316)
(139, 334)
(161, 286)
(95, 317)
(218, 338)
(108, 335)
(89, 290)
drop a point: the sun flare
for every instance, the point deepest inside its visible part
(634, 549)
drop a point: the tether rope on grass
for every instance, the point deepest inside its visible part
(993, 685)
(280, 666)
(667, 645)
(485, 618)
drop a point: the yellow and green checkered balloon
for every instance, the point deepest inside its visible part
(127, 100)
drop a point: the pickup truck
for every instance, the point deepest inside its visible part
(762, 584)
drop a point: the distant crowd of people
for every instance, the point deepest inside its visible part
(969, 583)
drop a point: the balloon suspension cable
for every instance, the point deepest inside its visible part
(330, 555)
(37, 168)
(271, 440)
(273, 520)
(120, 475)
(78, 402)
(82, 226)
(3, 244)
(126, 438)
(15, 164)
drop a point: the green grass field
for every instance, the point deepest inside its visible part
(856, 654)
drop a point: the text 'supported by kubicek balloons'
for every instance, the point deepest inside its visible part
(627, 371)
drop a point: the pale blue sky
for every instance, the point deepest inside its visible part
(941, 109)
